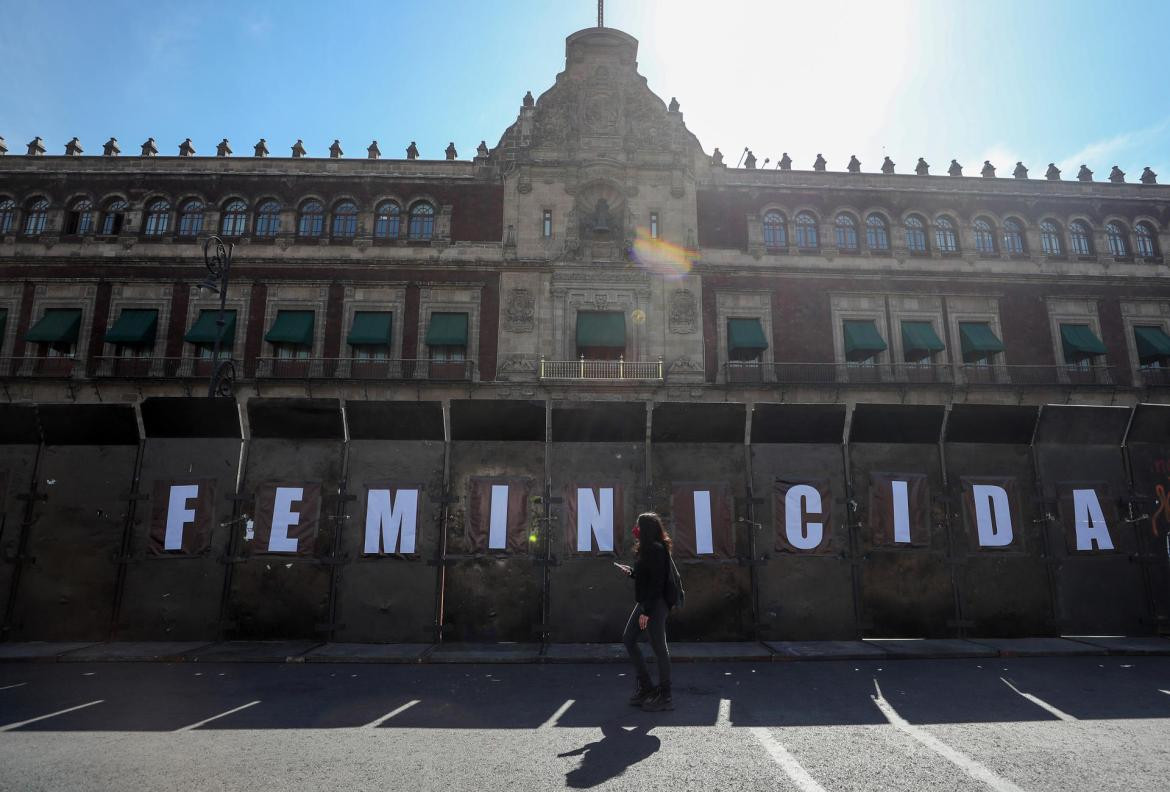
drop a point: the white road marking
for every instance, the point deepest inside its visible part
(792, 768)
(197, 724)
(10, 687)
(723, 718)
(957, 758)
(11, 726)
(376, 723)
(1167, 692)
(556, 716)
(1044, 705)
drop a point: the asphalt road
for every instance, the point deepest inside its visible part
(1091, 723)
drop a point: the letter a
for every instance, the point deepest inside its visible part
(179, 515)
(803, 499)
(1089, 521)
(993, 515)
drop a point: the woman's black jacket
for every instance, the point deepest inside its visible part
(650, 575)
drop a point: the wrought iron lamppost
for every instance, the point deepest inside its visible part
(217, 256)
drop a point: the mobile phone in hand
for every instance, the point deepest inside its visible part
(623, 568)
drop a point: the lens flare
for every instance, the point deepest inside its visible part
(661, 257)
(638, 316)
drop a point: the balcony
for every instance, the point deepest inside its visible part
(1154, 377)
(37, 367)
(365, 369)
(836, 374)
(1026, 375)
(619, 370)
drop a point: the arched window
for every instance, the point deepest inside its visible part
(984, 236)
(422, 221)
(7, 215)
(345, 220)
(945, 239)
(877, 235)
(234, 222)
(845, 232)
(158, 218)
(775, 230)
(79, 219)
(386, 220)
(806, 231)
(268, 219)
(113, 217)
(191, 218)
(1080, 239)
(1013, 237)
(311, 220)
(35, 216)
(1117, 238)
(1147, 240)
(915, 234)
(1050, 244)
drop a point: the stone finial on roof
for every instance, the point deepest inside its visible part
(111, 149)
(922, 168)
(528, 100)
(1053, 172)
(888, 166)
(785, 162)
(223, 148)
(482, 149)
(36, 147)
(1117, 175)
(187, 148)
(717, 157)
(749, 161)
(335, 151)
(372, 151)
(988, 171)
(260, 149)
(854, 165)
(450, 151)
(149, 149)
(673, 106)
(1020, 172)
(820, 164)
(956, 169)
(4, 148)
(1084, 174)
(73, 148)
(1148, 176)
(298, 149)
(412, 151)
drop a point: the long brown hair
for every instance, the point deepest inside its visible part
(650, 530)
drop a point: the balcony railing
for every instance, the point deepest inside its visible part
(620, 370)
(364, 369)
(1037, 375)
(61, 367)
(926, 374)
(1154, 377)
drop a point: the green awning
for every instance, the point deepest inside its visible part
(745, 334)
(204, 329)
(920, 337)
(370, 328)
(134, 326)
(447, 329)
(862, 339)
(1079, 341)
(57, 326)
(291, 327)
(1152, 342)
(978, 341)
(601, 329)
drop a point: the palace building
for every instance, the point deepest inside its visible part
(596, 303)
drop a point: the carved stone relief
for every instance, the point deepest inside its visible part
(683, 311)
(519, 311)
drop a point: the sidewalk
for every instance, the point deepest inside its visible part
(762, 651)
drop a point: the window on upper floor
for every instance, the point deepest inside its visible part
(945, 238)
(1147, 240)
(191, 218)
(806, 231)
(387, 217)
(113, 217)
(775, 231)
(35, 217)
(1013, 237)
(268, 219)
(422, 221)
(877, 233)
(234, 222)
(1050, 242)
(311, 220)
(845, 232)
(984, 234)
(79, 218)
(344, 220)
(546, 223)
(1080, 239)
(7, 215)
(654, 231)
(916, 235)
(158, 218)
(1117, 239)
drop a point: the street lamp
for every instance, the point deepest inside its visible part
(217, 256)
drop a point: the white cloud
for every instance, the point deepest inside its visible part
(1103, 153)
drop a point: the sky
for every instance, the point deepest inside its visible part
(1064, 81)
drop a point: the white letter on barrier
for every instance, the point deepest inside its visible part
(594, 520)
(391, 522)
(993, 515)
(1090, 522)
(901, 512)
(802, 499)
(282, 517)
(703, 541)
(498, 526)
(179, 515)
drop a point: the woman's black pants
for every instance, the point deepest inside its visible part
(656, 630)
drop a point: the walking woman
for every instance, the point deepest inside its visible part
(650, 574)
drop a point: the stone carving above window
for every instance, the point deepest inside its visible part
(683, 311)
(519, 311)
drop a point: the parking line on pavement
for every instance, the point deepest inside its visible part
(723, 718)
(10, 687)
(957, 758)
(197, 724)
(11, 726)
(792, 768)
(376, 723)
(556, 716)
(1044, 705)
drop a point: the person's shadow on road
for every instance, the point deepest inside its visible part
(609, 757)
